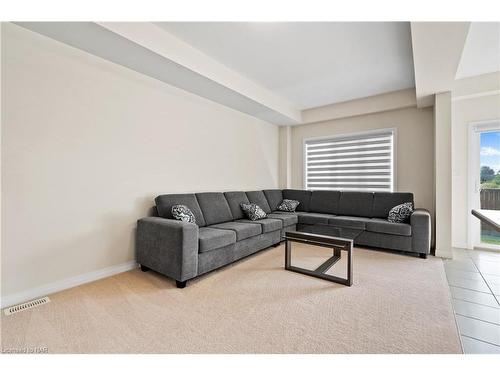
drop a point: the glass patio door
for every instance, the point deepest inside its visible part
(485, 166)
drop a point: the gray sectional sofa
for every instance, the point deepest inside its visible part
(222, 234)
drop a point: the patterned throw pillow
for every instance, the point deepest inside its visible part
(400, 213)
(252, 211)
(183, 213)
(288, 205)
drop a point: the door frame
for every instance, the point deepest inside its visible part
(473, 181)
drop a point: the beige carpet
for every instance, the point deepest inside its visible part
(398, 304)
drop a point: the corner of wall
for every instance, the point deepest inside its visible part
(285, 157)
(442, 174)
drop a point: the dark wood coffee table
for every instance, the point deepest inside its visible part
(342, 242)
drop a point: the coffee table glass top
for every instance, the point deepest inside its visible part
(347, 233)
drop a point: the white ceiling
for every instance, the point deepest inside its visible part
(481, 53)
(309, 64)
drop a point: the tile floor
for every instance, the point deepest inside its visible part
(474, 280)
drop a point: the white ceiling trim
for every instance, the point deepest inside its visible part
(437, 48)
(476, 95)
(483, 83)
(161, 42)
(357, 107)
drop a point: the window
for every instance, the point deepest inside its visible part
(350, 162)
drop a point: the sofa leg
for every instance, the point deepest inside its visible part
(423, 255)
(180, 284)
(276, 244)
(144, 268)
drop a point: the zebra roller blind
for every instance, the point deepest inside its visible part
(354, 162)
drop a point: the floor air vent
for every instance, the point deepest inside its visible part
(27, 305)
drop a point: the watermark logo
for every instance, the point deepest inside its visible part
(26, 350)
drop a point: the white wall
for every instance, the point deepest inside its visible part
(415, 153)
(87, 145)
(474, 99)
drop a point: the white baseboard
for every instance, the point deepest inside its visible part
(460, 245)
(43, 290)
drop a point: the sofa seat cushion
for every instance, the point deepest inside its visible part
(384, 226)
(313, 218)
(211, 239)
(349, 222)
(268, 225)
(242, 230)
(286, 217)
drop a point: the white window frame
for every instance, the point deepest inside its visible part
(355, 134)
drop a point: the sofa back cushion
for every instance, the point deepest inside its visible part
(325, 202)
(383, 202)
(165, 202)
(234, 199)
(303, 196)
(259, 199)
(356, 203)
(274, 198)
(214, 207)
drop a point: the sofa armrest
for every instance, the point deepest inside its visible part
(167, 246)
(420, 221)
